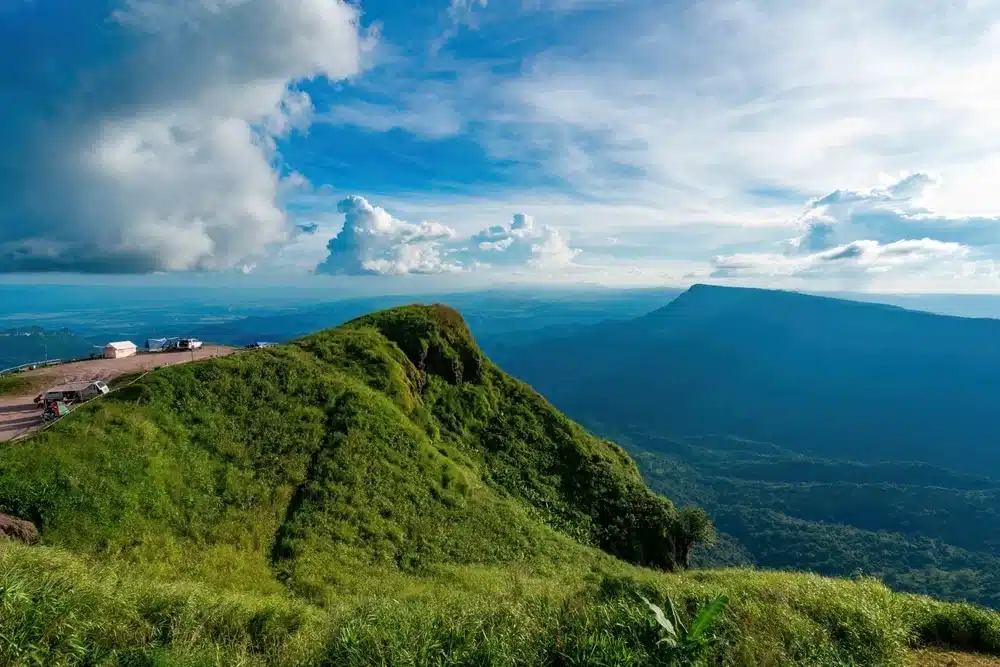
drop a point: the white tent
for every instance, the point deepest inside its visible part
(118, 350)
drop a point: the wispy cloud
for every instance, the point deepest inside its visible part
(716, 99)
(460, 14)
(731, 114)
(428, 114)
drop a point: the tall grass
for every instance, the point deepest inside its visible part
(56, 608)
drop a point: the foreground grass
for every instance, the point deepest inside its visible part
(56, 608)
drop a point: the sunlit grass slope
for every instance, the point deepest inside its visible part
(381, 494)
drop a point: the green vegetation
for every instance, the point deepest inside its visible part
(381, 494)
(885, 436)
(783, 510)
(686, 646)
(16, 383)
(60, 609)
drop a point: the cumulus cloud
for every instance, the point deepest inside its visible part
(373, 242)
(865, 233)
(522, 242)
(146, 141)
(890, 212)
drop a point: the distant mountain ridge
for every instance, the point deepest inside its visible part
(824, 376)
(495, 318)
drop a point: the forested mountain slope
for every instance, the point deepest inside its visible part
(821, 434)
(828, 377)
(920, 529)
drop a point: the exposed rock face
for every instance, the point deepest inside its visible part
(16, 529)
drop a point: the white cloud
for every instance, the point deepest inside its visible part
(373, 242)
(692, 109)
(857, 259)
(685, 131)
(463, 11)
(470, 13)
(161, 155)
(522, 242)
(460, 13)
(727, 115)
(893, 211)
(863, 235)
(726, 96)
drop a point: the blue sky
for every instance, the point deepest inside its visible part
(849, 145)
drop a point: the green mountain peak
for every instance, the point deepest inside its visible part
(390, 441)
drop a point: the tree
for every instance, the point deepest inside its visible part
(693, 527)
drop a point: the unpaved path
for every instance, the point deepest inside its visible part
(19, 414)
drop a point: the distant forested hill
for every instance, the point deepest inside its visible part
(826, 377)
(921, 529)
(28, 344)
(821, 434)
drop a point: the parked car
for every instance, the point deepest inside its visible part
(189, 344)
(258, 346)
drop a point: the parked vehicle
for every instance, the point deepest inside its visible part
(259, 346)
(189, 344)
(74, 392)
(154, 345)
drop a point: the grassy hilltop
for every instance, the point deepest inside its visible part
(382, 494)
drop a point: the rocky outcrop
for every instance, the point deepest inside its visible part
(17, 529)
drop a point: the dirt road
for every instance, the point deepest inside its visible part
(19, 414)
